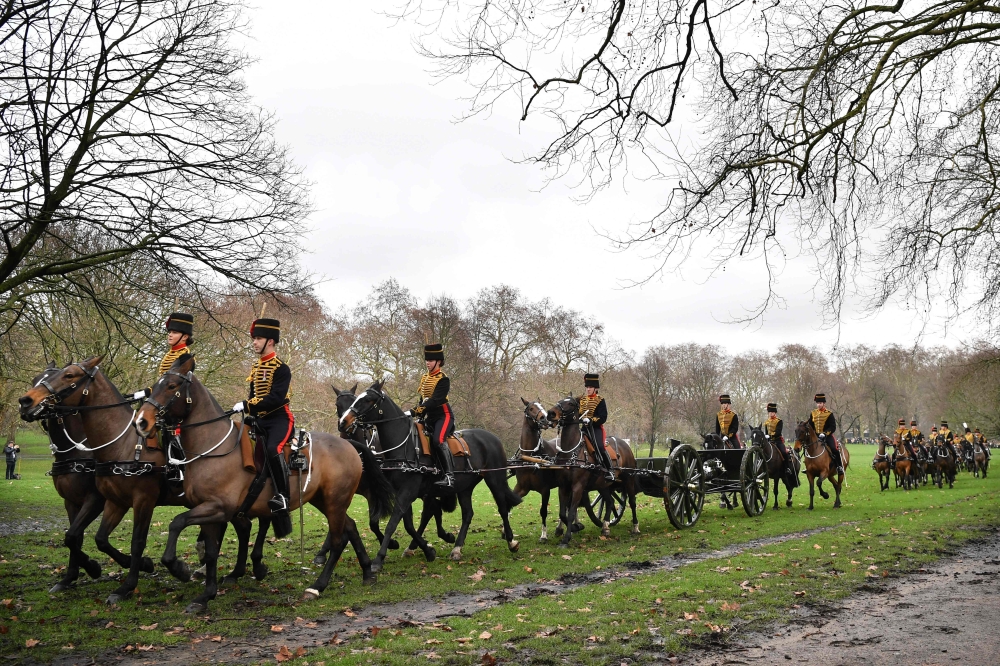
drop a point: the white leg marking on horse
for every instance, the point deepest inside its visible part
(311, 593)
(635, 528)
(456, 553)
(545, 534)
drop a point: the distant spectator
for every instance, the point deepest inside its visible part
(11, 452)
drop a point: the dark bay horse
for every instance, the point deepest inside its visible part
(129, 475)
(73, 477)
(904, 464)
(943, 463)
(819, 462)
(216, 483)
(407, 470)
(775, 466)
(979, 457)
(882, 464)
(536, 477)
(579, 474)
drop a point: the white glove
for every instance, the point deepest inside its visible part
(725, 438)
(822, 435)
(586, 420)
(407, 413)
(139, 395)
(240, 406)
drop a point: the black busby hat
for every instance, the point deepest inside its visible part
(902, 421)
(913, 422)
(181, 322)
(772, 407)
(724, 399)
(933, 428)
(434, 352)
(819, 397)
(266, 328)
(976, 430)
(591, 380)
(944, 424)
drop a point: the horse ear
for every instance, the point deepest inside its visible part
(51, 365)
(526, 403)
(354, 389)
(335, 389)
(93, 362)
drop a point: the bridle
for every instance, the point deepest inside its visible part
(162, 410)
(567, 417)
(359, 419)
(540, 423)
(47, 404)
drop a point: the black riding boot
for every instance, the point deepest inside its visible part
(279, 476)
(449, 467)
(609, 473)
(835, 454)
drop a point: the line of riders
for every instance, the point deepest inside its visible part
(268, 408)
(910, 444)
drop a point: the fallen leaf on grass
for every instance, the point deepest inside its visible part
(567, 557)
(716, 629)
(336, 641)
(488, 659)
(478, 576)
(800, 593)
(726, 606)
(109, 625)
(683, 632)
(817, 546)
(149, 627)
(585, 609)
(277, 628)
(463, 639)
(432, 655)
(485, 636)
(432, 641)
(528, 569)
(31, 642)
(284, 654)
(690, 616)
(216, 639)
(348, 612)
(7, 603)
(93, 613)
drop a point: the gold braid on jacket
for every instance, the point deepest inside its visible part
(262, 376)
(428, 383)
(819, 417)
(725, 418)
(588, 404)
(171, 356)
(771, 426)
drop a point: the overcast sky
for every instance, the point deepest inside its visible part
(401, 190)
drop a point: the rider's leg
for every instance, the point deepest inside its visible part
(599, 440)
(277, 430)
(443, 428)
(835, 454)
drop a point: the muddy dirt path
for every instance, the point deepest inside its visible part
(948, 614)
(313, 633)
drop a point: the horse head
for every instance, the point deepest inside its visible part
(66, 387)
(164, 404)
(534, 412)
(343, 402)
(757, 435)
(565, 411)
(712, 441)
(372, 400)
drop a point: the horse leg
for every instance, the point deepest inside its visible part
(812, 490)
(442, 533)
(465, 502)
(112, 516)
(242, 527)
(837, 485)
(80, 518)
(358, 544)
(320, 558)
(142, 515)
(574, 505)
(338, 541)
(257, 555)
(819, 487)
(497, 483)
(775, 493)
(543, 513)
(630, 490)
(404, 502)
(425, 517)
(212, 533)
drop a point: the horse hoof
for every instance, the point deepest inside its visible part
(199, 573)
(430, 554)
(605, 532)
(147, 565)
(376, 567)
(447, 537)
(319, 560)
(369, 579)
(181, 571)
(409, 552)
(788, 503)
(393, 544)
(310, 594)
(196, 607)
(836, 505)
(260, 571)
(543, 539)
(635, 529)
(513, 546)
(93, 568)
(559, 532)
(456, 554)
(59, 587)
(563, 545)
(578, 527)
(116, 598)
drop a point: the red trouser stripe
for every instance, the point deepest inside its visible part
(444, 424)
(291, 427)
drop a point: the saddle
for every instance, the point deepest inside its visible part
(456, 443)
(254, 453)
(593, 451)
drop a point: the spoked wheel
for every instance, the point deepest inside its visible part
(753, 481)
(611, 498)
(683, 487)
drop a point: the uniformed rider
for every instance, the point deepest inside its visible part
(727, 422)
(593, 415)
(949, 439)
(825, 424)
(772, 429)
(180, 337)
(268, 403)
(434, 410)
(980, 438)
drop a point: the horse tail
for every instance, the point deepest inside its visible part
(382, 496)
(512, 498)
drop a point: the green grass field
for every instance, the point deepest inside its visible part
(641, 618)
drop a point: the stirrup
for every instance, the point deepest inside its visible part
(278, 504)
(448, 481)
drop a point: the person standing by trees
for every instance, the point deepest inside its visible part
(11, 452)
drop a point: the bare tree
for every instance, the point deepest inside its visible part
(654, 376)
(128, 135)
(838, 128)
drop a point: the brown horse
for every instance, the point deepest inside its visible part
(579, 474)
(819, 463)
(216, 482)
(882, 465)
(905, 464)
(776, 469)
(942, 464)
(536, 477)
(73, 477)
(128, 475)
(980, 460)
